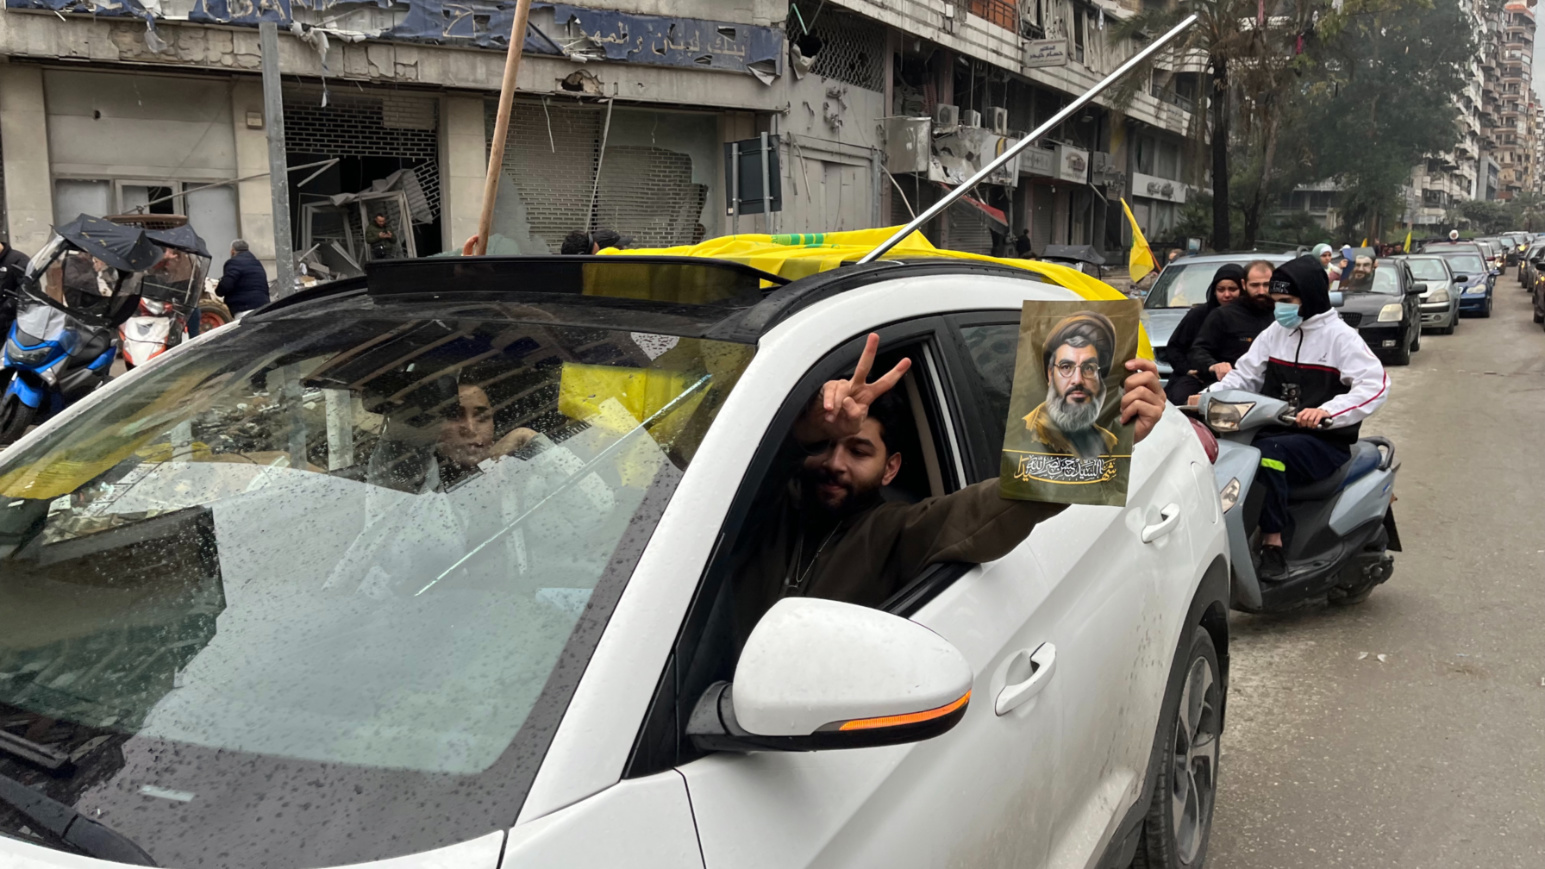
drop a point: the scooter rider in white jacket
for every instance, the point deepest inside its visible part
(1325, 371)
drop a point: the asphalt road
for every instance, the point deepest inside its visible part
(1409, 731)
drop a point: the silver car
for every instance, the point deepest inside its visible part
(1440, 301)
(1184, 283)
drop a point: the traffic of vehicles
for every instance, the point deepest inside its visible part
(449, 521)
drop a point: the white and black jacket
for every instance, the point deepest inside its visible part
(1325, 362)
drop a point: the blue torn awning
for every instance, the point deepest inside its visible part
(582, 33)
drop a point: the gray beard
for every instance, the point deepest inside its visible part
(1073, 419)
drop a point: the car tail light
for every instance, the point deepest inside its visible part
(1209, 443)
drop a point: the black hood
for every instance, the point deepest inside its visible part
(1229, 272)
(1305, 278)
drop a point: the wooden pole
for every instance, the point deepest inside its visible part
(502, 123)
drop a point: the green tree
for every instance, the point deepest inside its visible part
(1379, 99)
(1250, 63)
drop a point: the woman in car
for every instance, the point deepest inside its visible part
(1226, 285)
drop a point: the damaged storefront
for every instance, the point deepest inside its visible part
(571, 166)
(374, 152)
(154, 143)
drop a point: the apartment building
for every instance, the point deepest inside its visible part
(623, 114)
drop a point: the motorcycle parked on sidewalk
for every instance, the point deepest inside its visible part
(169, 296)
(1343, 527)
(76, 292)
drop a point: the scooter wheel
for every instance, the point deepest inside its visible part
(14, 419)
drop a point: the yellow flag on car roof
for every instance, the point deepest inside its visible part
(1140, 261)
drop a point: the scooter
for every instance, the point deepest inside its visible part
(1343, 527)
(169, 295)
(69, 304)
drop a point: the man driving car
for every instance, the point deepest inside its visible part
(1228, 332)
(1320, 366)
(824, 529)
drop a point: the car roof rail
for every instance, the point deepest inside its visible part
(678, 280)
(752, 323)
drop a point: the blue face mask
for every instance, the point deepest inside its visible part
(1287, 315)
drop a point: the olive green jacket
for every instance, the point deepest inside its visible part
(870, 556)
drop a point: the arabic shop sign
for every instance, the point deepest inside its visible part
(1155, 187)
(1046, 52)
(1072, 164)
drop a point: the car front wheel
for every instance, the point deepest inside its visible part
(1179, 822)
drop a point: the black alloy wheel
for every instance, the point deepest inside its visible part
(1179, 822)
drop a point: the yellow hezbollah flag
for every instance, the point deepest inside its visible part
(1140, 262)
(1407, 248)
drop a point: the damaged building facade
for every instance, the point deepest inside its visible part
(621, 121)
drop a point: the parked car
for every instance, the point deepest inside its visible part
(1184, 283)
(1471, 271)
(1440, 300)
(439, 567)
(1383, 307)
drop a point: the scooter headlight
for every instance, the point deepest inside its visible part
(1229, 496)
(1226, 415)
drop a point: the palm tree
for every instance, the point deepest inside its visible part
(1242, 39)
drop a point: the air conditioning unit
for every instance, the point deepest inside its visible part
(945, 118)
(999, 120)
(970, 118)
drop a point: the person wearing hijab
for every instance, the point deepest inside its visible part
(1227, 283)
(1228, 332)
(1324, 254)
(1323, 369)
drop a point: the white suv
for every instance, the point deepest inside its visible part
(435, 569)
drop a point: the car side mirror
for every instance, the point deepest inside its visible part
(1460, 279)
(1417, 289)
(1337, 299)
(820, 674)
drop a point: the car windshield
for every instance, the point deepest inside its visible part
(1428, 269)
(1467, 264)
(1380, 280)
(315, 594)
(1182, 285)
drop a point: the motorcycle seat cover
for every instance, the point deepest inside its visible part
(1365, 458)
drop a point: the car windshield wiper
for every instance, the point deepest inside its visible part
(36, 754)
(73, 828)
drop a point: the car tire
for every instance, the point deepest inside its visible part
(1416, 341)
(1402, 356)
(1538, 317)
(1486, 311)
(1179, 821)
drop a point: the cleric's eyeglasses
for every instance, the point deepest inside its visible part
(1089, 370)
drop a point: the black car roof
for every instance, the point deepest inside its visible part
(706, 297)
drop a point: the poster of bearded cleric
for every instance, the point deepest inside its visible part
(1065, 443)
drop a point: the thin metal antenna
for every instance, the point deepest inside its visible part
(949, 199)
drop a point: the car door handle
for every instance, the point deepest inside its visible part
(1043, 662)
(1169, 519)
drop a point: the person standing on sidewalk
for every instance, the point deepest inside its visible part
(244, 284)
